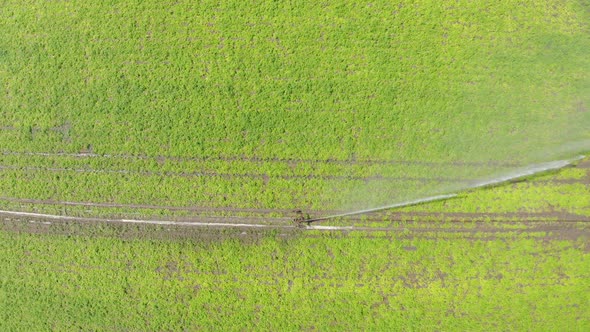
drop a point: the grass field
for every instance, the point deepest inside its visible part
(502, 278)
(240, 112)
(472, 263)
(279, 106)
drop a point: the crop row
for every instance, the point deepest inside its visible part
(271, 168)
(215, 191)
(224, 184)
(222, 195)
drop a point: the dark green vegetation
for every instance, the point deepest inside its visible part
(507, 278)
(273, 105)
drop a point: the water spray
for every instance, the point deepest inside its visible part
(387, 207)
(514, 175)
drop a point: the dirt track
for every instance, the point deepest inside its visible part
(570, 228)
(580, 233)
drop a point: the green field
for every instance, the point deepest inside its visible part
(507, 279)
(433, 275)
(277, 106)
(242, 112)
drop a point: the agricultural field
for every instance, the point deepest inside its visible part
(488, 276)
(153, 155)
(441, 265)
(232, 107)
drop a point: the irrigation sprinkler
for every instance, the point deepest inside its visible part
(300, 219)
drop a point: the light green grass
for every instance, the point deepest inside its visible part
(516, 282)
(541, 195)
(281, 105)
(425, 81)
(538, 195)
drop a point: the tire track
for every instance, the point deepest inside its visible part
(530, 170)
(210, 223)
(265, 177)
(288, 213)
(475, 230)
(151, 207)
(270, 159)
